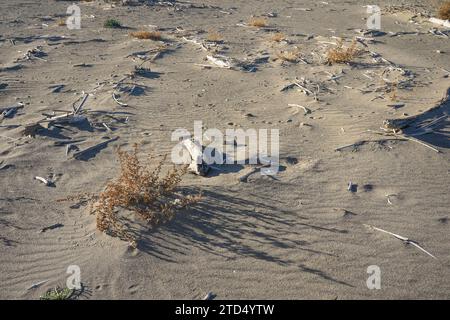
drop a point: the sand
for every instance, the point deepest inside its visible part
(298, 235)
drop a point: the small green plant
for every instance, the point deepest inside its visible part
(112, 23)
(57, 294)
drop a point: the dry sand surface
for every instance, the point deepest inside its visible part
(298, 235)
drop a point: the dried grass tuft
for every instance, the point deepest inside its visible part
(444, 11)
(290, 56)
(61, 22)
(258, 22)
(341, 54)
(278, 37)
(149, 35)
(393, 92)
(214, 36)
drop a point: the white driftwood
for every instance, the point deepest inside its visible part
(78, 109)
(43, 180)
(402, 238)
(220, 61)
(37, 284)
(198, 42)
(445, 23)
(306, 110)
(118, 102)
(106, 126)
(209, 296)
(350, 186)
(197, 165)
(389, 198)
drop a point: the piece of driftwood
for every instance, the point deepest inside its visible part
(198, 42)
(53, 226)
(37, 284)
(388, 196)
(302, 84)
(420, 142)
(57, 88)
(396, 125)
(402, 238)
(106, 126)
(445, 23)
(306, 110)
(361, 142)
(209, 296)
(67, 117)
(18, 106)
(220, 61)
(70, 147)
(197, 166)
(117, 101)
(404, 137)
(43, 180)
(77, 155)
(9, 111)
(438, 33)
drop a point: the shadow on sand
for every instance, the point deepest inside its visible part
(227, 225)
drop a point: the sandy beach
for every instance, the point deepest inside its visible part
(364, 147)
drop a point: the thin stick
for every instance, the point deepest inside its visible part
(118, 102)
(361, 142)
(402, 238)
(37, 284)
(106, 126)
(78, 109)
(299, 106)
(420, 142)
(405, 138)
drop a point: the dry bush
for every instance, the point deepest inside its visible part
(112, 23)
(214, 36)
(146, 192)
(393, 92)
(152, 35)
(258, 22)
(444, 11)
(61, 22)
(278, 37)
(341, 54)
(290, 56)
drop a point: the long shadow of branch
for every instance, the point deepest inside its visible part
(227, 225)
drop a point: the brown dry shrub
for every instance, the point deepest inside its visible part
(148, 35)
(214, 36)
(278, 37)
(444, 11)
(148, 193)
(258, 22)
(341, 54)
